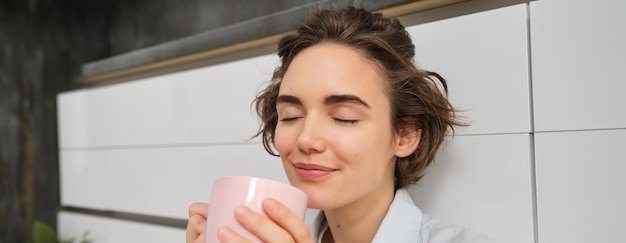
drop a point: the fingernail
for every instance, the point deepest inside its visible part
(270, 204)
(242, 212)
(224, 233)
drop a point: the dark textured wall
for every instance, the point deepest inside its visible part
(42, 45)
(143, 23)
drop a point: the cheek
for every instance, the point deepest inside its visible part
(283, 139)
(368, 145)
(354, 146)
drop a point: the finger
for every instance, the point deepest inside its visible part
(227, 235)
(262, 227)
(198, 208)
(191, 233)
(201, 239)
(196, 226)
(287, 220)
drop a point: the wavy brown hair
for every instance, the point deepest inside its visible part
(415, 96)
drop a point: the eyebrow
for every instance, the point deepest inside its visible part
(334, 99)
(329, 100)
(288, 99)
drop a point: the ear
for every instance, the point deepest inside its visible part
(407, 140)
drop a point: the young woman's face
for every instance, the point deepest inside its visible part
(334, 132)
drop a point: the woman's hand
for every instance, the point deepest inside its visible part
(196, 226)
(281, 227)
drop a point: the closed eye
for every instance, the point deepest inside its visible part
(346, 121)
(289, 119)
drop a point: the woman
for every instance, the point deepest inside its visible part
(354, 123)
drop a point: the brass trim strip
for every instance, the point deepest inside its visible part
(270, 40)
(203, 55)
(415, 7)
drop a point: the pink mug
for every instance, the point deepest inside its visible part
(233, 191)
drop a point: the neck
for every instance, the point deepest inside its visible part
(360, 220)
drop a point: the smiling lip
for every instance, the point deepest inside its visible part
(311, 171)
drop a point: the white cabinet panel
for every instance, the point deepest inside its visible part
(578, 60)
(107, 230)
(157, 181)
(482, 182)
(206, 105)
(484, 56)
(580, 186)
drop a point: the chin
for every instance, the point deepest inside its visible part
(317, 199)
(317, 204)
(318, 195)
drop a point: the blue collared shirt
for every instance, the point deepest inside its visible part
(405, 222)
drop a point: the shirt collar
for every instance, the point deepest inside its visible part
(402, 223)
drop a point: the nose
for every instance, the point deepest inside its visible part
(311, 138)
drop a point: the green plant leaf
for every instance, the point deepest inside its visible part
(43, 233)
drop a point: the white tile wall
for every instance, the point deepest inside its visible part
(577, 57)
(207, 105)
(580, 186)
(578, 60)
(482, 182)
(484, 56)
(157, 181)
(107, 230)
